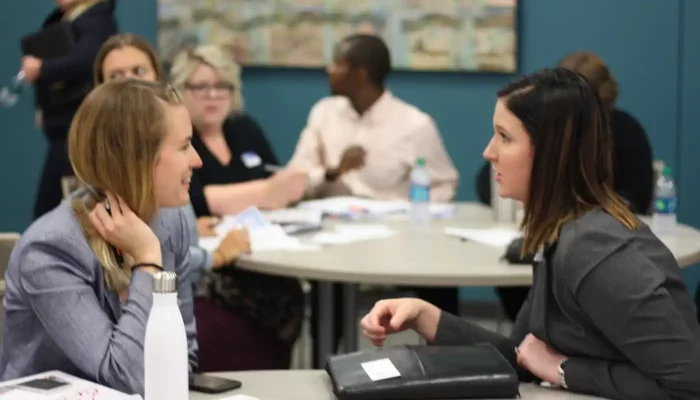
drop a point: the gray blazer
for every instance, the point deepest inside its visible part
(60, 316)
(201, 260)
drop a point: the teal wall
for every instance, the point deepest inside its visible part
(650, 45)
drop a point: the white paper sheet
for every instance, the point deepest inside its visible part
(78, 389)
(268, 238)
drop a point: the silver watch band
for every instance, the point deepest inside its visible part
(562, 375)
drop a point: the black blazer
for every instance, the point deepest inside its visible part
(91, 30)
(613, 301)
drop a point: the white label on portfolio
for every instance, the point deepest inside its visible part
(380, 369)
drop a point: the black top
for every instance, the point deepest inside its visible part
(632, 163)
(91, 30)
(614, 302)
(248, 145)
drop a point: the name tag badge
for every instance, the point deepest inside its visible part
(379, 370)
(250, 159)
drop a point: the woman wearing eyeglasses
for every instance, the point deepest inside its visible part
(235, 174)
(236, 155)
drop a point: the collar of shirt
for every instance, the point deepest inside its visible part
(380, 109)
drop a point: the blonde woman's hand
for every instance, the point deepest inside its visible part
(126, 231)
(235, 244)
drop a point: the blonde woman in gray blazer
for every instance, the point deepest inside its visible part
(79, 282)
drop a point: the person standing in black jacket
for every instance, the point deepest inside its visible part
(61, 84)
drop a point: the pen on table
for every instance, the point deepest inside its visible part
(272, 168)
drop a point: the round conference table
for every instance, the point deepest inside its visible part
(414, 255)
(316, 385)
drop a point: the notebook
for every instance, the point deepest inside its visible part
(56, 40)
(423, 372)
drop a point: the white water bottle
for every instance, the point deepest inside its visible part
(420, 193)
(165, 347)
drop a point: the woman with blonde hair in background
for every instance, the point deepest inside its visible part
(226, 336)
(130, 56)
(235, 307)
(236, 155)
(79, 281)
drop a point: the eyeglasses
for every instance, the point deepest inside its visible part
(204, 89)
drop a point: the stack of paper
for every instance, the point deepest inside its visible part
(250, 218)
(74, 389)
(296, 220)
(264, 236)
(353, 233)
(497, 237)
(294, 216)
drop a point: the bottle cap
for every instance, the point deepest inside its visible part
(420, 161)
(164, 282)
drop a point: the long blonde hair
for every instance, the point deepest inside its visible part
(113, 144)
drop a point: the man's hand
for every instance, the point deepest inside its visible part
(353, 158)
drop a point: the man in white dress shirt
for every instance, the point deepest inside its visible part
(363, 141)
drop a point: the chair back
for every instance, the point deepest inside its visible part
(7, 243)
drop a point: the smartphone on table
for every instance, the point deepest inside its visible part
(45, 385)
(213, 385)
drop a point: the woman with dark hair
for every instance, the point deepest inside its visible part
(632, 155)
(608, 313)
(61, 84)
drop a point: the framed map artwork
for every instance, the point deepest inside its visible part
(429, 35)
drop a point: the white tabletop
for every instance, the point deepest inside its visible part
(315, 385)
(425, 256)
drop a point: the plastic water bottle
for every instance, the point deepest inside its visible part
(9, 94)
(420, 193)
(664, 219)
(165, 346)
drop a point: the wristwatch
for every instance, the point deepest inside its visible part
(562, 374)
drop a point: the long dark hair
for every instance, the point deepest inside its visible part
(572, 169)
